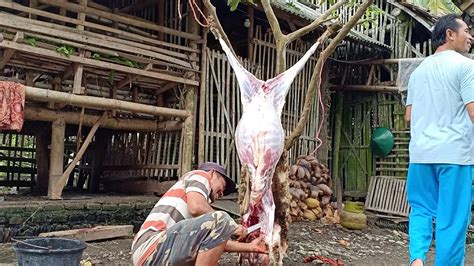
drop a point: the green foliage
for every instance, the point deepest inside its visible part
(111, 76)
(31, 41)
(233, 4)
(96, 56)
(66, 50)
(127, 62)
(292, 5)
(119, 59)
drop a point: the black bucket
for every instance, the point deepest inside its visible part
(49, 252)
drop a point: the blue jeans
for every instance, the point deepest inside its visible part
(440, 192)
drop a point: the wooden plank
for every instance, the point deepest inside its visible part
(11, 21)
(95, 63)
(119, 18)
(8, 53)
(94, 234)
(136, 37)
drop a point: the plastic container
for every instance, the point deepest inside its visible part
(49, 252)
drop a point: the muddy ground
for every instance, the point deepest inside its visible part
(372, 246)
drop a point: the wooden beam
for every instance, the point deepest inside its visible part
(93, 234)
(140, 125)
(95, 63)
(57, 154)
(132, 47)
(37, 94)
(370, 88)
(8, 53)
(58, 186)
(138, 39)
(124, 19)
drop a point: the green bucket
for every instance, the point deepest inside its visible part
(382, 141)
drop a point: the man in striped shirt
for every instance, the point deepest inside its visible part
(183, 229)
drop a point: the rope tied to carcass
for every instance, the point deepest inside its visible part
(195, 7)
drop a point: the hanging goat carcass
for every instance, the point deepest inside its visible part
(260, 142)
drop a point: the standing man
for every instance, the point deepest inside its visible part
(440, 109)
(183, 229)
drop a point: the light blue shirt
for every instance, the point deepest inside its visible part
(441, 129)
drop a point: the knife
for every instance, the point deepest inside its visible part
(254, 228)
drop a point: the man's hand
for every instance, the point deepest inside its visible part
(240, 233)
(258, 245)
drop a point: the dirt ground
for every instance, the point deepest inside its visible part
(372, 246)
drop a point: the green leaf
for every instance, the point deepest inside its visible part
(233, 4)
(96, 56)
(66, 50)
(111, 76)
(31, 41)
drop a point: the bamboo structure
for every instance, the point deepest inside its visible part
(57, 156)
(78, 59)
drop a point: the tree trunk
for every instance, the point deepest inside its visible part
(281, 197)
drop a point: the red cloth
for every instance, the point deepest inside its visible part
(12, 105)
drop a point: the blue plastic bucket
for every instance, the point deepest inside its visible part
(49, 252)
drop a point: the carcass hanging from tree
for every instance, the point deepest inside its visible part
(264, 187)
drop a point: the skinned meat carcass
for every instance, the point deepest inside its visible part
(260, 141)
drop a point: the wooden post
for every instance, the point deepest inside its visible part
(58, 186)
(250, 34)
(42, 161)
(8, 53)
(33, 4)
(202, 100)
(189, 98)
(77, 87)
(337, 147)
(57, 154)
(101, 140)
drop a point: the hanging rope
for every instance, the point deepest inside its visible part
(321, 103)
(194, 6)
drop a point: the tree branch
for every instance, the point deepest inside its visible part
(301, 32)
(273, 20)
(315, 78)
(216, 27)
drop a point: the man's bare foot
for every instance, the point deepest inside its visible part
(417, 262)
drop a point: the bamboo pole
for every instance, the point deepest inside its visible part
(337, 148)
(57, 154)
(189, 98)
(33, 93)
(202, 101)
(141, 125)
(59, 184)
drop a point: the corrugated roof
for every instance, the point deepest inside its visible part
(308, 13)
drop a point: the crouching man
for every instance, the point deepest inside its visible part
(183, 229)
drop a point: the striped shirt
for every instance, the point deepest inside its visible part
(170, 209)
